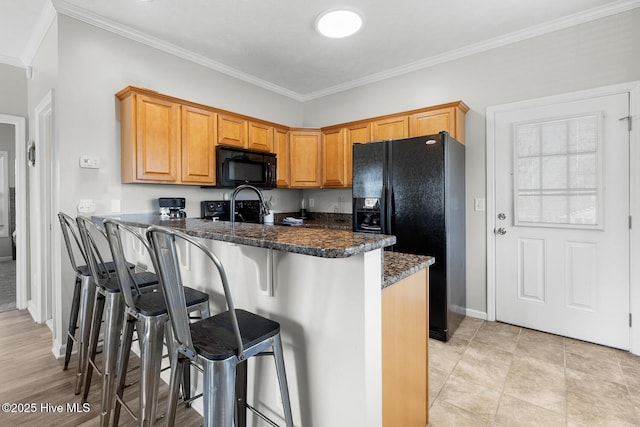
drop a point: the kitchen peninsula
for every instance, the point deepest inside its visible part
(325, 287)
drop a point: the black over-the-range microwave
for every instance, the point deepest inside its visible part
(235, 166)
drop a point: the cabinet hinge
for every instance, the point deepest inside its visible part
(630, 321)
(630, 222)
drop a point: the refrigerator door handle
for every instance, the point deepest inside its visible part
(388, 203)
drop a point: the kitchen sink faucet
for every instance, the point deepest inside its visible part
(264, 209)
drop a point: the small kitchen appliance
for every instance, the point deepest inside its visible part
(236, 166)
(220, 210)
(172, 207)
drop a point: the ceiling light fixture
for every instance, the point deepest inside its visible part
(338, 23)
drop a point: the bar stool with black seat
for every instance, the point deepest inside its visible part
(83, 296)
(108, 302)
(147, 312)
(218, 343)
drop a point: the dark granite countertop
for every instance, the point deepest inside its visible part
(398, 266)
(320, 220)
(320, 242)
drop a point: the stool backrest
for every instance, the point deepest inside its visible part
(163, 242)
(88, 231)
(70, 229)
(126, 280)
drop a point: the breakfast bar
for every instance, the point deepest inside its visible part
(325, 288)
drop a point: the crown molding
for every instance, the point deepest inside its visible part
(80, 14)
(531, 32)
(46, 18)
(614, 8)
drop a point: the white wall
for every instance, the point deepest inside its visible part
(590, 55)
(13, 91)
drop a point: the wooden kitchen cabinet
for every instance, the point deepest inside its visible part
(163, 141)
(405, 352)
(281, 148)
(169, 140)
(198, 146)
(150, 133)
(305, 151)
(334, 158)
(232, 131)
(356, 133)
(390, 128)
(259, 136)
(449, 118)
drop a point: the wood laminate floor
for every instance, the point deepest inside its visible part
(29, 374)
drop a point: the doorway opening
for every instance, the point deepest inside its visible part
(13, 230)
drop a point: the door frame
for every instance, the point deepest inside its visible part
(633, 89)
(43, 301)
(20, 136)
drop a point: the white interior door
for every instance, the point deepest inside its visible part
(562, 219)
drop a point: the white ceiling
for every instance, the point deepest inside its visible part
(273, 43)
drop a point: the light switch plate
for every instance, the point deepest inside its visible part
(478, 204)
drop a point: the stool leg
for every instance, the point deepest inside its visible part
(73, 322)
(282, 379)
(219, 392)
(186, 382)
(87, 303)
(150, 334)
(241, 393)
(177, 367)
(113, 327)
(92, 344)
(123, 364)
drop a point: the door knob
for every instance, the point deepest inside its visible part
(502, 216)
(501, 231)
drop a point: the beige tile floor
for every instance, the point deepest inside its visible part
(494, 374)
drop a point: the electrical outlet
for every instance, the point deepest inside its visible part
(311, 203)
(89, 162)
(86, 206)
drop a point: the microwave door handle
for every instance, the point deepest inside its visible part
(268, 173)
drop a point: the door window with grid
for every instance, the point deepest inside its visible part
(558, 172)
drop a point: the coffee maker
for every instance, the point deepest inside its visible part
(172, 207)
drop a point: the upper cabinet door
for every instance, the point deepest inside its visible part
(281, 148)
(450, 119)
(157, 139)
(260, 137)
(334, 158)
(391, 128)
(304, 147)
(359, 133)
(232, 131)
(198, 146)
(432, 122)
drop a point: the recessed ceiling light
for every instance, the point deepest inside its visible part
(338, 23)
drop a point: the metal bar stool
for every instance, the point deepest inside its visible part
(218, 343)
(147, 312)
(107, 293)
(83, 297)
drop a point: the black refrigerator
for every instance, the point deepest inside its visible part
(414, 188)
